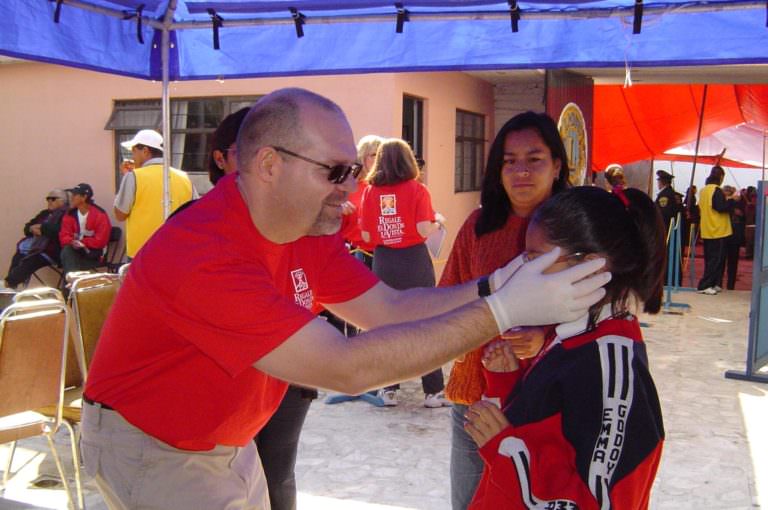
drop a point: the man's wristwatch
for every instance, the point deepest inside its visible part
(483, 287)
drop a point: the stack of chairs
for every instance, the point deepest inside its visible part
(33, 345)
(90, 300)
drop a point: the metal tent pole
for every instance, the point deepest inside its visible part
(765, 136)
(698, 139)
(166, 106)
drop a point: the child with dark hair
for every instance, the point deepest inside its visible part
(222, 159)
(581, 426)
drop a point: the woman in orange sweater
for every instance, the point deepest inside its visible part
(526, 165)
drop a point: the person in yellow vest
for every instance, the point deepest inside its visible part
(715, 230)
(139, 201)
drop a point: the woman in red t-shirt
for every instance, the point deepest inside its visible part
(350, 222)
(396, 217)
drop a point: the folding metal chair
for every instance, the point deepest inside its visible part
(115, 252)
(73, 376)
(90, 298)
(33, 342)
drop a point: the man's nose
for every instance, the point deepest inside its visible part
(349, 185)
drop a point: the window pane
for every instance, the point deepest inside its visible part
(237, 105)
(470, 148)
(213, 113)
(192, 122)
(413, 124)
(135, 118)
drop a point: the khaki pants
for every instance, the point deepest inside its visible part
(136, 471)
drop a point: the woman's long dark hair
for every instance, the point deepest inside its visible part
(588, 219)
(496, 206)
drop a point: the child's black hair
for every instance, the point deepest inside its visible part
(588, 219)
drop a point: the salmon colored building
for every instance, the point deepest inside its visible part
(62, 126)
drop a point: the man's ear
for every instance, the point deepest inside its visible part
(265, 163)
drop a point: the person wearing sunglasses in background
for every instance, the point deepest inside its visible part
(217, 315)
(40, 245)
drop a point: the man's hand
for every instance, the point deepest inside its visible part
(531, 298)
(498, 278)
(36, 229)
(77, 244)
(127, 166)
(484, 421)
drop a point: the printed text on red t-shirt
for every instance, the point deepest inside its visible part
(390, 229)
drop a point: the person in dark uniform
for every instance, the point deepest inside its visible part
(669, 201)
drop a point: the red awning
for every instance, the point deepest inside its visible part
(643, 121)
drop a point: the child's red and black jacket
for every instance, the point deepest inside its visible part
(586, 429)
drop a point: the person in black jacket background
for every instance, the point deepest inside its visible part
(40, 245)
(668, 200)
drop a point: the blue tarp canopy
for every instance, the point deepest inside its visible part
(260, 38)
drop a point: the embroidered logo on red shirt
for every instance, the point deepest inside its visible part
(303, 294)
(300, 282)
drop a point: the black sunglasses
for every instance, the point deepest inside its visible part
(338, 173)
(51, 199)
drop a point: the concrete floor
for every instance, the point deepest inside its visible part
(355, 456)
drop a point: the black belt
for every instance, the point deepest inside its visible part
(97, 404)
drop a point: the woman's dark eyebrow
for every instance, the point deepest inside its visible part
(535, 150)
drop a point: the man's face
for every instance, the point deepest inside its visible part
(140, 155)
(308, 196)
(77, 200)
(54, 202)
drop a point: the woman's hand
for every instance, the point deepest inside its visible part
(499, 357)
(484, 421)
(348, 208)
(525, 342)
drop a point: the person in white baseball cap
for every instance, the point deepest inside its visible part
(139, 199)
(142, 145)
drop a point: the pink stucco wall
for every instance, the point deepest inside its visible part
(52, 132)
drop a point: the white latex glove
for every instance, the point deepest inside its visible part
(499, 277)
(532, 298)
(439, 218)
